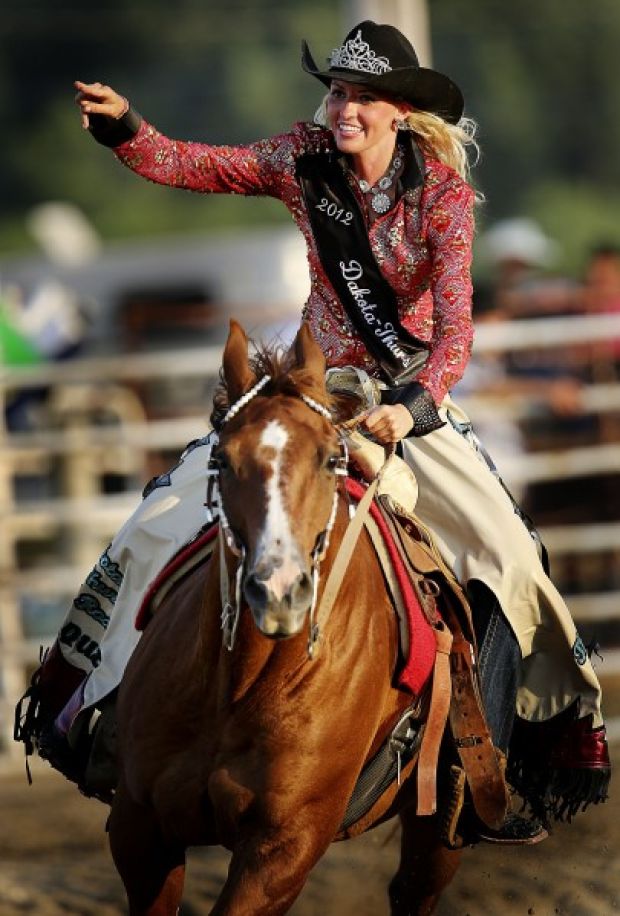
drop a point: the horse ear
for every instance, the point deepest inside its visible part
(238, 375)
(309, 355)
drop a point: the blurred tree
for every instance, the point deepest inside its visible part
(541, 80)
(222, 71)
(539, 77)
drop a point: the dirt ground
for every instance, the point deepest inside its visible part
(54, 860)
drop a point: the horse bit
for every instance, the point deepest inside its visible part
(231, 609)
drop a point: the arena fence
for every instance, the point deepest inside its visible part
(50, 540)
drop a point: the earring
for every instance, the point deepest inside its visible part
(401, 124)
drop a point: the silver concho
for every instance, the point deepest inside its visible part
(380, 203)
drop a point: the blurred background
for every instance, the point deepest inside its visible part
(115, 294)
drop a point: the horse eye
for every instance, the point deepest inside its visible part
(332, 462)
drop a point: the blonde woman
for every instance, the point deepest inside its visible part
(378, 186)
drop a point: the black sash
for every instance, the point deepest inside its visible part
(344, 249)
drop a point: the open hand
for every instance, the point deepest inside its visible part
(94, 98)
(389, 423)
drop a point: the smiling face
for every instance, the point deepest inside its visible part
(361, 120)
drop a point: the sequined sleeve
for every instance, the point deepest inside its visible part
(450, 229)
(257, 168)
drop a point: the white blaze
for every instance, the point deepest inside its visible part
(276, 538)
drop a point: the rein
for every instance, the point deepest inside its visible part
(345, 551)
(231, 605)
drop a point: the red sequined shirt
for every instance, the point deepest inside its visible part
(422, 245)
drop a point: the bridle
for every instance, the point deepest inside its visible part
(231, 605)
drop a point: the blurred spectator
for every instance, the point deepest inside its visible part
(489, 373)
(48, 320)
(602, 279)
(601, 295)
(518, 253)
(47, 325)
(15, 347)
(515, 250)
(519, 257)
(486, 373)
(52, 319)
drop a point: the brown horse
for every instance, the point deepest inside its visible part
(258, 747)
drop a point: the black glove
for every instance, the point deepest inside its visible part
(420, 405)
(114, 131)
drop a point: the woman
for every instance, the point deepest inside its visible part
(379, 191)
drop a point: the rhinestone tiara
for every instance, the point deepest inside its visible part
(355, 54)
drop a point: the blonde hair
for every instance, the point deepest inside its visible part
(449, 143)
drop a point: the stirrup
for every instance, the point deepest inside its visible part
(460, 826)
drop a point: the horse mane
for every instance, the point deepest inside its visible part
(285, 378)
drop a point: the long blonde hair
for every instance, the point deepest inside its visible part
(449, 143)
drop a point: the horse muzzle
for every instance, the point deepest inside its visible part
(279, 599)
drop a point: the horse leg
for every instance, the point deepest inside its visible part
(426, 867)
(151, 870)
(266, 874)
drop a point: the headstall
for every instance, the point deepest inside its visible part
(231, 605)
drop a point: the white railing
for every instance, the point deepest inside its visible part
(87, 519)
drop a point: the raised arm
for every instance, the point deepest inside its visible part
(264, 167)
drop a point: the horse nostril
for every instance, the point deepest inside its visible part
(255, 591)
(301, 591)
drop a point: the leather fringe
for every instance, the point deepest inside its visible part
(557, 794)
(559, 766)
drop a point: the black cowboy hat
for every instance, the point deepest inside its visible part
(379, 56)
